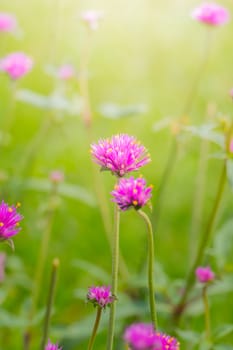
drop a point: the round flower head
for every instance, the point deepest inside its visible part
(141, 336)
(51, 346)
(121, 154)
(211, 14)
(92, 18)
(204, 274)
(7, 22)
(131, 192)
(66, 72)
(16, 65)
(9, 221)
(100, 296)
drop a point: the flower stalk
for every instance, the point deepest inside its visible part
(207, 313)
(95, 328)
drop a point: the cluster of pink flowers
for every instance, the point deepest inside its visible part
(16, 65)
(51, 346)
(141, 336)
(131, 192)
(92, 18)
(9, 221)
(100, 296)
(8, 22)
(211, 14)
(121, 154)
(204, 274)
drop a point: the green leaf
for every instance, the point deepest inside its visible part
(223, 244)
(222, 347)
(230, 172)
(207, 132)
(92, 270)
(190, 336)
(114, 111)
(222, 331)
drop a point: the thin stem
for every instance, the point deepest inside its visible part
(95, 328)
(9, 118)
(115, 267)
(50, 302)
(150, 269)
(207, 313)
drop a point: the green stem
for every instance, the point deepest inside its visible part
(150, 269)
(50, 303)
(95, 328)
(115, 267)
(207, 313)
(204, 241)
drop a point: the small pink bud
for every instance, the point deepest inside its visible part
(16, 65)
(204, 274)
(56, 176)
(8, 22)
(92, 18)
(66, 72)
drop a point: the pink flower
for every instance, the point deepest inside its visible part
(92, 18)
(121, 154)
(56, 176)
(204, 274)
(141, 336)
(9, 221)
(66, 72)
(211, 14)
(131, 192)
(16, 65)
(7, 22)
(51, 346)
(100, 296)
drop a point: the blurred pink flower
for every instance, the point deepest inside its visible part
(92, 18)
(8, 22)
(56, 176)
(51, 346)
(66, 72)
(231, 92)
(2, 266)
(204, 274)
(121, 154)
(100, 296)
(9, 221)
(16, 65)
(211, 14)
(131, 192)
(141, 336)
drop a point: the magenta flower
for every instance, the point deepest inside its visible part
(141, 336)
(100, 296)
(204, 274)
(16, 65)
(211, 14)
(66, 72)
(121, 154)
(9, 221)
(8, 22)
(92, 18)
(56, 176)
(131, 192)
(51, 346)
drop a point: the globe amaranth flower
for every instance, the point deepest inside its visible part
(100, 296)
(131, 192)
(141, 336)
(66, 72)
(51, 346)
(120, 154)
(204, 274)
(211, 14)
(92, 18)
(8, 22)
(9, 221)
(16, 65)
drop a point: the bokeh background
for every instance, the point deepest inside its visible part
(145, 56)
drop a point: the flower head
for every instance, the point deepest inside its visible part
(66, 72)
(121, 154)
(8, 22)
(51, 346)
(204, 274)
(16, 65)
(211, 14)
(92, 18)
(100, 296)
(56, 176)
(131, 192)
(141, 336)
(9, 221)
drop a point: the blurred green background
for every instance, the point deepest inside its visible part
(146, 53)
